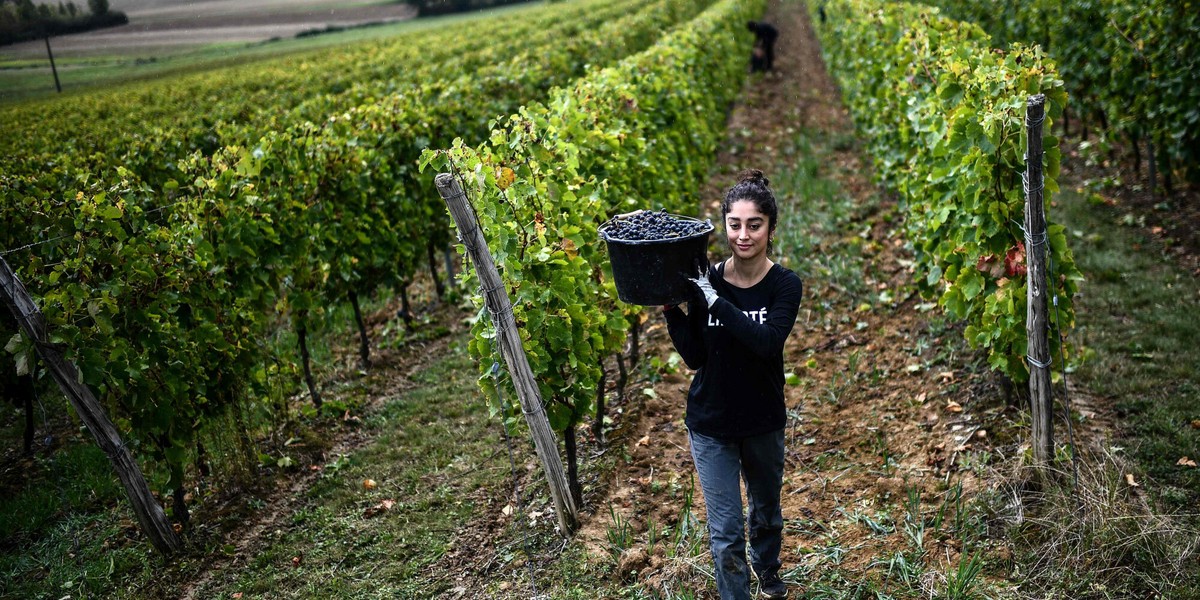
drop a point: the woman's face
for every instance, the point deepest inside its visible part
(748, 229)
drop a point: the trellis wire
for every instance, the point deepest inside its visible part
(33, 245)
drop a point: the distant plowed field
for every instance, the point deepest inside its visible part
(159, 25)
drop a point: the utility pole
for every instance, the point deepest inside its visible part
(53, 69)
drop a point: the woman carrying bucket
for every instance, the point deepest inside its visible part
(733, 335)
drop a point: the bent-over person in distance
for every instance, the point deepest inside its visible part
(762, 56)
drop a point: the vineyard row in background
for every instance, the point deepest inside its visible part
(944, 117)
(1132, 68)
(167, 293)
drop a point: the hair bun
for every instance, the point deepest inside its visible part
(753, 176)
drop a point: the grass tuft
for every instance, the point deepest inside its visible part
(1102, 536)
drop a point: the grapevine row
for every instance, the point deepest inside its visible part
(944, 116)
(637, 135)
(1132, 67)
(166, 307)
(242, 95)
(172, 119)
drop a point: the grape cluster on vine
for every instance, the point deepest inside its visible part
(648, 225)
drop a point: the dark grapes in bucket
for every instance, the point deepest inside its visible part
(648, 225)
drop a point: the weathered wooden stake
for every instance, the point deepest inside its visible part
(1153, 166)
(1037, 321)
(364, 341)
(500, 307)
(54, 69)
(149, 514)
(448, 254)
(306, 359)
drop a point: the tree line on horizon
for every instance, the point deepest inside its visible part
(22, 20)
(427, 8)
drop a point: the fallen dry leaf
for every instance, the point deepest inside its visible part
(1129, 479)
(507, 510)
(382, 507)
(1186, 462)
(946, 376)
(954, 407)
(921, 397)
(644, 441)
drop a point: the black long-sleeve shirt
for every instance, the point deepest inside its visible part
(737, 349)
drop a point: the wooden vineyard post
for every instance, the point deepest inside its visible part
(500, 307)
(1037, 311)
(149, 514)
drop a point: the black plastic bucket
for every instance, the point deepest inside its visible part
(656, 272)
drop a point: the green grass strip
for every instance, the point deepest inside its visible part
(1140, 333)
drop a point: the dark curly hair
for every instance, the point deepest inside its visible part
(752, 185)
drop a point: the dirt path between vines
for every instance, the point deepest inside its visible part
(226, 517)
(918, 414)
